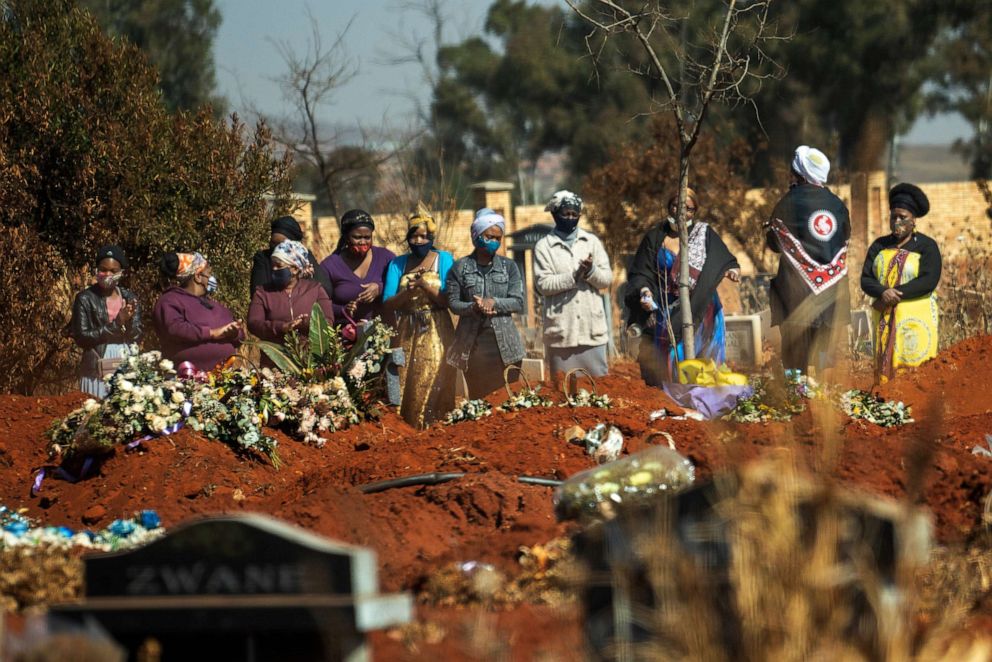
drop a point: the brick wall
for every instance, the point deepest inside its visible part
(958, 221)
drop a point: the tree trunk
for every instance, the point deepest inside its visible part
(688, 340)
(863, 146)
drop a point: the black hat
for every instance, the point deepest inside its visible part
(909, 197)
(288, 227)
(111, 251)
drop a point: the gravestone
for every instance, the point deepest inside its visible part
(876, 539)
(240, 587)
(861, 333)
(743, 333)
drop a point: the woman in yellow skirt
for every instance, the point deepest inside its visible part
(901, 273)
(414, 294)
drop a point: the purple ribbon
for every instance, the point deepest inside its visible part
(60, 473)
(172, 429)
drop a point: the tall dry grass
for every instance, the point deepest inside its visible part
(778, 561)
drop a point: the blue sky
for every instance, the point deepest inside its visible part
(247, 60)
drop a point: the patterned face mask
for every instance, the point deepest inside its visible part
(108, 281)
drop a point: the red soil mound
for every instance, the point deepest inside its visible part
(488, 516)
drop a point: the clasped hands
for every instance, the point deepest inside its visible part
(485, 307)
(890, 298)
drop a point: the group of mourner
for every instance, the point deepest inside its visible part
(418, 293)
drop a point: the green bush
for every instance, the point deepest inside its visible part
(89, 155)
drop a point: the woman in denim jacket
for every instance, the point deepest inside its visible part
(484, 290)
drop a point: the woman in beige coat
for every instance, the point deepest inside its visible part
(571, 268)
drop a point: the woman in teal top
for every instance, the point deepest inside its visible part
(414, 294)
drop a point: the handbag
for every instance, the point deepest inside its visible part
(107, 367)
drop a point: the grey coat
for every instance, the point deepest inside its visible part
(504, 285)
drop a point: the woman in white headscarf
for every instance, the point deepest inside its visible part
(484, 289)
(570, 269)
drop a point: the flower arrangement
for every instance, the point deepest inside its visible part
(773, 401)
(319, 387)
(147, 399)
(585, 398)
(144, 399)
(861, 404)
(305, 410)
(225, 408)
(469, 410)
(18, 530)
(527, 398)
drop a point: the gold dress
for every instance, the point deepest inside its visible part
(424, 332)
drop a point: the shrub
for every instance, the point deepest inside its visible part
(89, 155)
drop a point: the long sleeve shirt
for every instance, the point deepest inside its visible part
(930, 267)
(184, 322)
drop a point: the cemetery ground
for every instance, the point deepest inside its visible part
(422, 534)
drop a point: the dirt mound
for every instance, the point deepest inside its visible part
(488, 515)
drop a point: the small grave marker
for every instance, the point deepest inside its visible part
(743, 334)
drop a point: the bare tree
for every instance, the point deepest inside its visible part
(727, 67)
(310, 84)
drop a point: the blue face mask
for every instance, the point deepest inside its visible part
(281, 277)
(420, 251)
(212, 284)
(491, 245)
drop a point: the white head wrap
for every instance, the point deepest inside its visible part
(564, 199)
(485, 218)
(812, 164)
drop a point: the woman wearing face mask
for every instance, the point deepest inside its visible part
(357, 269)
(106, 318)
(484, 290)
(283, 228)
(414, 294)
(570, 269)
(191, 325)
(901, 273)
(284, 304)
(654, 293)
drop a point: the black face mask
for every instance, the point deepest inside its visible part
(281, 278)
(420, 251)
(565, 225)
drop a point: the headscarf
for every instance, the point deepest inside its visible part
(351, 219)
(294, 254)
(486, 218)
(811, 164)
(911, 198)
(190, 264)
(288, 227)
(356, 218)
(422, 217)
(563, 200)
(113, 252)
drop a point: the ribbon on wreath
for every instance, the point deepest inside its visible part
(59, 472)
(172, 429)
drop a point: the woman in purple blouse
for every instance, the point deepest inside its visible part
(357, 269)
(192, 326)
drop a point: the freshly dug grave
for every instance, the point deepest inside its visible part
(488, 516)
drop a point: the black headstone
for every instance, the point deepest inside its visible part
(240, 587)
